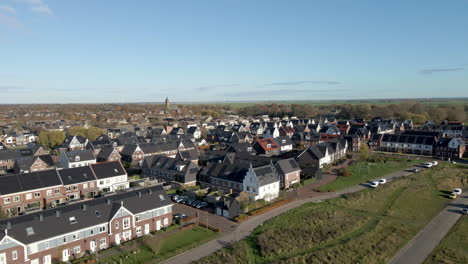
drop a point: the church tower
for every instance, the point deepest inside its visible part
(167, 103)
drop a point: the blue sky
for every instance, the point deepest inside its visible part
(77, 51)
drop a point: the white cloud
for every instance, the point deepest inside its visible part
(37, 6)
(42, 9)
(7, 9)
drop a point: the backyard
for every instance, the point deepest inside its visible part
(364, 227)
(154, 248)
(362, 171)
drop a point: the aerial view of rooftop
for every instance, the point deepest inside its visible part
(233, 132)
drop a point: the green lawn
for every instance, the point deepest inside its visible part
(365, 227)
(454, 247)
(156, 248)
(364, 171)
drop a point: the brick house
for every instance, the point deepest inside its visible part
(267, 147)
(453, 148)
(68, 232)
(33, 163)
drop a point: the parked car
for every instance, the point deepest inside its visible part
(190, 201)
(457, 191)
(194, 204)
(201, 205)
(374, 184)
(382, 181)
(453, 196)
(465, 210)
(434, 163)
(175, 197)
(427, 165)
(416, 170)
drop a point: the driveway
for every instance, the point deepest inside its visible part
(419, 248)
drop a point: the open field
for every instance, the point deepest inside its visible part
(364, 171)
(365, 227)
(454, 247)
(155, 248)
(434, 102)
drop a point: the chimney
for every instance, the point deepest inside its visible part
(8, 225)
(139, 194)
(84, 207)
(41, 218)
(108, 201)
(57, 213)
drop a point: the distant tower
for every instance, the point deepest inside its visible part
(167, 103)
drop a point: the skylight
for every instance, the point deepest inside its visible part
(161, 197)
(30, 231)
(98, 214)
(73, 220)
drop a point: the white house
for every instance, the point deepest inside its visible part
(261, 183)
(111, 176)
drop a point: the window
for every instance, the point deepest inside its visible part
(68, 188)
(98, 214)
(101, 182)
(161, 197)
(166, 221)
(16, 199)
(91, 184)
(126, 223)
(37, 194)
(49, 192)
(14, 255)
(7, 200)
(64, 239)
(28, 196)
(138, 230)
(116, 224)
(75, 187)
(103, 241)
(91, 231)
(85, 186)
(76, 236)
(57, 191)
(102, 229)
(137, 218)
(127, 234)
(77, 249)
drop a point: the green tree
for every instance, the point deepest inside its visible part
(364, 152)
(51, 139)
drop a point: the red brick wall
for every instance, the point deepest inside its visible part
(8, 254)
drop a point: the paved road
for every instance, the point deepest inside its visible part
(419, 248)
(245, 228)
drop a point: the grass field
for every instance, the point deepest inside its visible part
(454, 247)
(364, 227)
(364, 171)
(158, 247)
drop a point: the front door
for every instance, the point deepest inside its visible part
(92, 245)
(117, 239)
(158, 225)
(3, 258)
(65, 254)
(147, 229)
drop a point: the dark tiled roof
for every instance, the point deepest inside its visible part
(28, 181)
(76, 175)
(52, 226)
(83, 155)
(108, 169)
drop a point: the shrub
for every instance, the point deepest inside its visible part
(241, 218)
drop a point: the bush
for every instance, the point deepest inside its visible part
(344, 172)
(241, 218)
(212, 228)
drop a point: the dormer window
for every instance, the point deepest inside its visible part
(77, 158)
(268, 145)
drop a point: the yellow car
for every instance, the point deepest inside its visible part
(453, 196)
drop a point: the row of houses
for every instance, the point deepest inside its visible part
(25, 192)
(69, 232)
